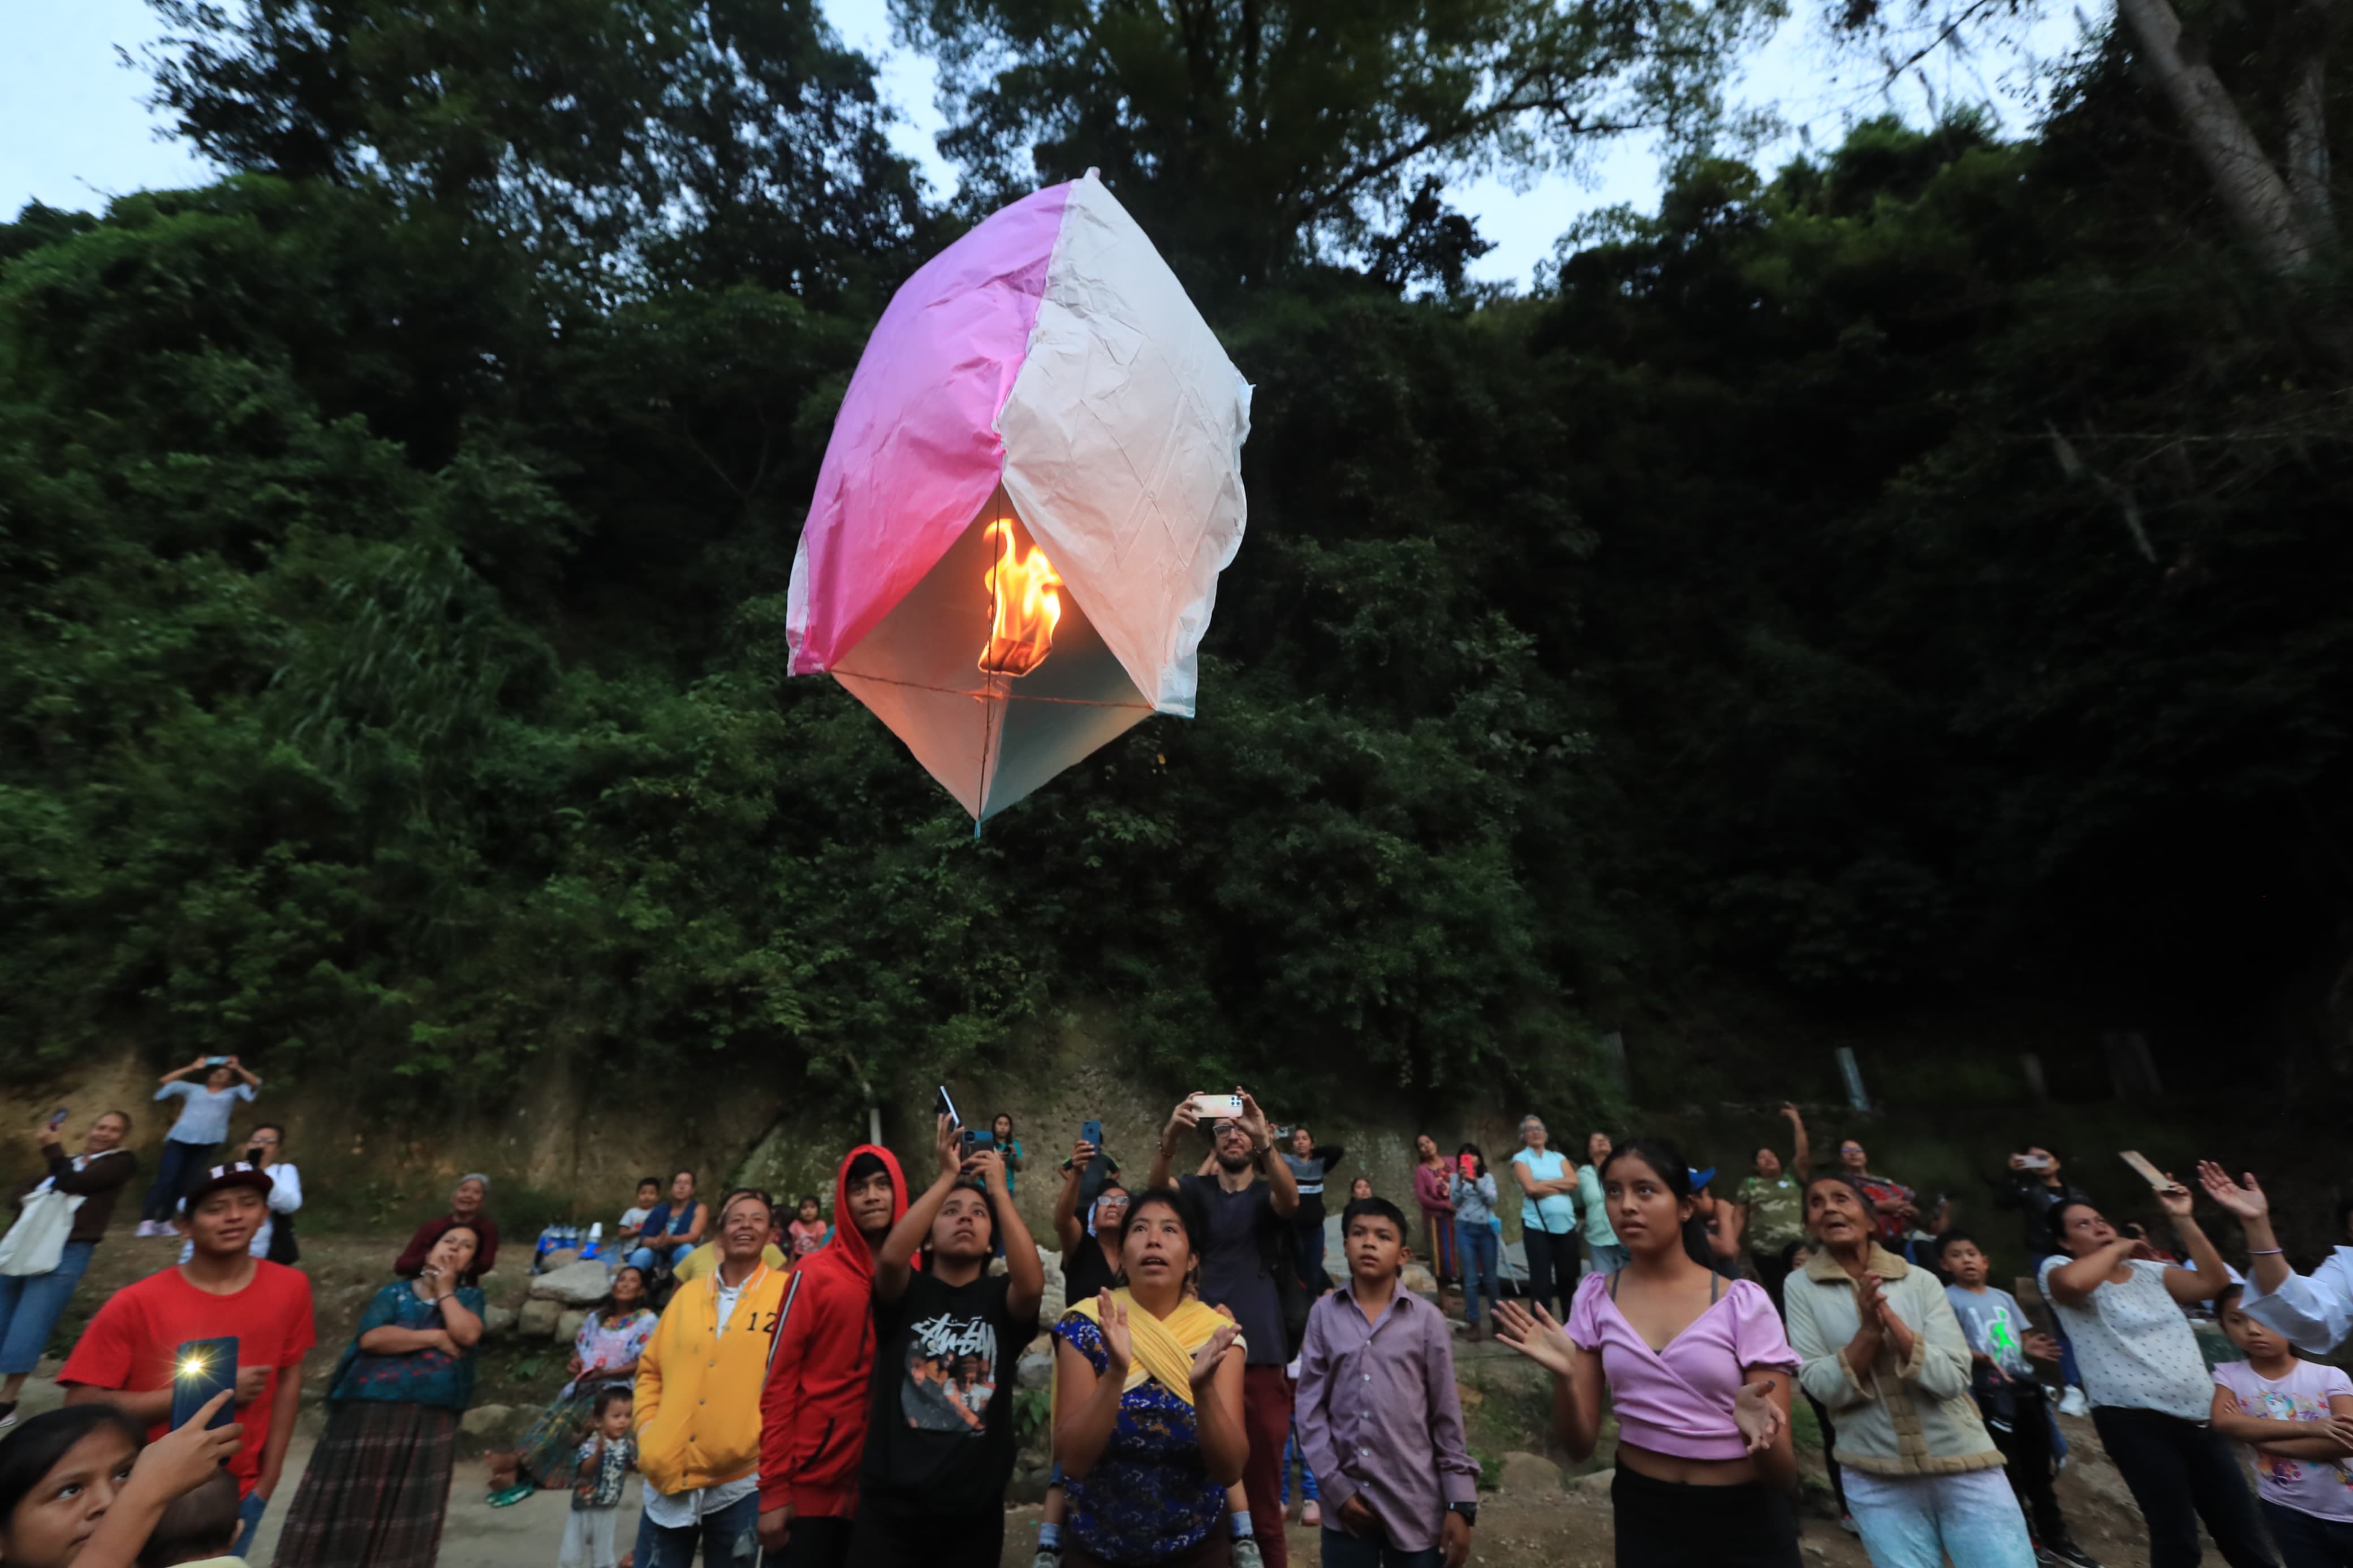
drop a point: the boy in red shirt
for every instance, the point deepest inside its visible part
(126, 1355)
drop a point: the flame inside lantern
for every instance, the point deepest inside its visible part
(1022, 587)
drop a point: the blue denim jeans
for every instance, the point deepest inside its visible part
(1480, 1245)
(1292, 1450)
(29, 1307)
(730, 1538)
(175, 1165)
(1609, 1260)
(1342, 1550)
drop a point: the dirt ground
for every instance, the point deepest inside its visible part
(1549, 1516)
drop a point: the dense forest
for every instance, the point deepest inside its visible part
(1916, 573)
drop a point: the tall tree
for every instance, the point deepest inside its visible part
(736, 139)
(1249, 134)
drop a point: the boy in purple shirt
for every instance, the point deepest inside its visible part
(1378, 1412)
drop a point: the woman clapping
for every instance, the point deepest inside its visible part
(1147, 1403)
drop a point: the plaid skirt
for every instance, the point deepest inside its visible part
(549, 1451)
(376, 1491)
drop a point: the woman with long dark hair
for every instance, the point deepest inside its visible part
(2152, 1397)
(1472, 1190)
(1885, 1352)
(1147, 1402)
(1433, 1177)
(1698, 1371)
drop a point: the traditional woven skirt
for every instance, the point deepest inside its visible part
(551, 1449)
(1442, 1260)
(376, 1489)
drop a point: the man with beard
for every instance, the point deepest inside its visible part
(813, 1411)
(1250, 1220)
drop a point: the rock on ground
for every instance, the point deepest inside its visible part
(1420, 1281)
(575, 1285)
(568, 1326)
(498, 1320)
(539, 1318)
(1528, 1474)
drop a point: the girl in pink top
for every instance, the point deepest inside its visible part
(1699, 1373)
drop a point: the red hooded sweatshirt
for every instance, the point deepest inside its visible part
(813, 1411)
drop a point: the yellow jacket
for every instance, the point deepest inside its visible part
(698, 1394)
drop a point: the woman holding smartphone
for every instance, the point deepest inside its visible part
(1473, 1193)
(29, 1305)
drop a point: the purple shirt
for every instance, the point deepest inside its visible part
(1378, 1416)
(1678, 1401)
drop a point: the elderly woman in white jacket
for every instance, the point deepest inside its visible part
(1883, 1352)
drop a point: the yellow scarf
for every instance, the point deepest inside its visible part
(1163, 1347)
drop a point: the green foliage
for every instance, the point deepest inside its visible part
(1907, 576)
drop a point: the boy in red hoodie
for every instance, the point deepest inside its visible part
(813, 1411)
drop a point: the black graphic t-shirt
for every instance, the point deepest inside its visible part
(940, 1438)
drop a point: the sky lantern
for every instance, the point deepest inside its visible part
(1032, 485)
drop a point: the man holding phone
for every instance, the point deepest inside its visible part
(129, 1354)
(1247, 1220)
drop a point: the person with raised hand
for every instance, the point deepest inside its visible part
(196, 1132)
(1148, 1404)
(30, 1304)
(1246, 1244)
(2149, 1389)
(1696, 1371)
(940, 1448)
(2313, 1312)
(1772, 1203)
(1885, 1352)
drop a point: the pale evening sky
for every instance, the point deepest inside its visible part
(73, 131)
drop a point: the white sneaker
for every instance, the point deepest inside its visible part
(2074, 1402)
(147, 1227)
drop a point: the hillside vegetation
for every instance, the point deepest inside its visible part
(1861, 592)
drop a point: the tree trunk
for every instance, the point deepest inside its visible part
(2250, 184)
(2307, 116)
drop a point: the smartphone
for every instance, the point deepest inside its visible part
(947, 1106)
(1470, 1163)
(1210, 1107)
(976, 1139)
(1090, 1134)
(215, 1061)
(2034, 1162)
(56, 1118)
(2156, 1178)
(200, 1369)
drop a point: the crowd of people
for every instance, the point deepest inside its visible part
(819, 1388)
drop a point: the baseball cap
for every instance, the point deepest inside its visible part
(1700, 1179)
(220, 1178)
